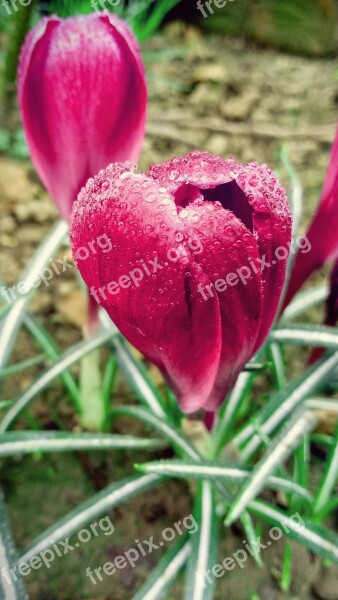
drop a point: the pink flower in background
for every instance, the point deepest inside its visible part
(323, 231)
(195, 268)
(83, 97)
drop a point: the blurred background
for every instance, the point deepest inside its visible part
(251, 79)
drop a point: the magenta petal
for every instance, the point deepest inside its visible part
(322, 234)
(272, 228)
(163, 315)
(267, 212)
(225, 247)
(208, 224)
(82, 95)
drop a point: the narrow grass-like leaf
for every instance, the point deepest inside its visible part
(165, 573)
(322, 438)
(22, 366)
(278, 366)
(330, 507)
(307, 335)
(11, 323)
(303, 301)
(108, 382)
(204, 546)
(300, 470)
(145, 22)
(251, 535)
(44, 380)
(279, 450)
(135, 372)
(178, 440)
(4, 310)
(49, 347)
(228, 416)
(329, 477)
(282, 403)
(88, 511)
(11, 588)
(322, 404)
(137, 375)
(27, 442)
(217, 470)
(316, 538)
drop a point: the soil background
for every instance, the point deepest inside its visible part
(212, 93)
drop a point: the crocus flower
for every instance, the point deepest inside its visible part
(323, 231)
(82, 95)
(196, 265)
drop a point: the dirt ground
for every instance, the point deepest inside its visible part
(209, 93)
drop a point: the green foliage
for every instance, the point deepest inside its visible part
(143, 16)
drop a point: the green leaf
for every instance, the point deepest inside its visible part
(303, 301)
(307, 335)
(329, 477)
(204, 546)
(278, 367)
(135, 372)
(228, 417)
(22, 366)
(108, 382)
(216, 470)
(178, 440)
(12, 322)
(48, 346)
(166, 572)
(330, 507)
(11, 588)
(278, 451)
(145, 16)
(26, 442)
(322, 404)
(316, 538)
(284, 402)
(251, 537)
(112, 496)
(44, 380)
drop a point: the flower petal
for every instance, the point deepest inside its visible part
(322, 234)
(157, 307)
(235, 279)
(255, 196)
(82, 95)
